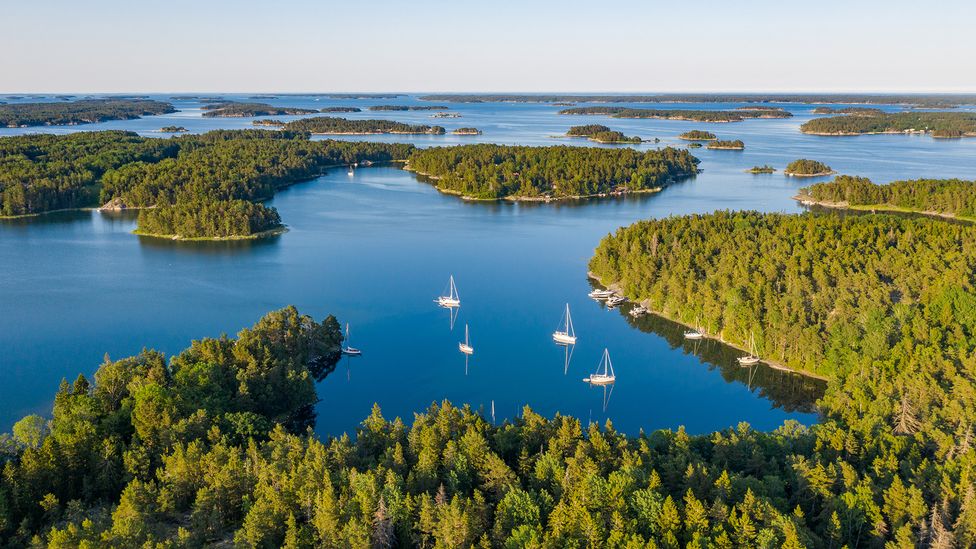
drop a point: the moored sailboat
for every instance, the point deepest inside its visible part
(465, 346)
(604, 374)
(348, 349)
(567, 335)
(751, 358)
(452, 299)
(697, 333)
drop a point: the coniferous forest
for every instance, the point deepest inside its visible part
(82, 111)
(952, 197)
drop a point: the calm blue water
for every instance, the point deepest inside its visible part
(375, 248)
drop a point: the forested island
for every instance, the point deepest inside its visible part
(601, 134)
(804, 167)
(759, 108)
(446, 115)
(697, 135)
(918, 100)
(408, 108)
(340, 109)
(84, 111)
(938, 124)
(765, 168)
(491, 172)
(330, 125)
(676, 114)
(179, 178)
(232, 109)
(733, 145)
(467, 131)
(942, 197)
(862, 111)
(173, 129)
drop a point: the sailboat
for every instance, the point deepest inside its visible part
(566, 336)
(465, 346)
(696, 333)
(604, 372)
(348, 349)
(751, 358)
(452, 299)
(351, 171)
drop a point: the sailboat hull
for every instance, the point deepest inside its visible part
(597, 379)
(448, 302)
(748, 360)
(466, 349)
(563, 338)
(351, 351)
(694, 335)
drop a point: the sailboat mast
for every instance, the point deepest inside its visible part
(569, 323)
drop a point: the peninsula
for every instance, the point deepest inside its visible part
(937, 124)
(328, 125)
(231, 109)
(83, 111)
(953, 198)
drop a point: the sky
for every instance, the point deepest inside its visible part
(104, 46)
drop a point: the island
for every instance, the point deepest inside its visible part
(601, 134)
(860, 111)
(446, 115)
(492, 172)
(807, 168)
(181, 184)
(408, 108)
(731, 145)
(938, 124)
(697, 135)
(953, 198)
(760, 108)
(173, 129)
(231, 109)
(935, 100)
(694, 145)
(766, 168)
(340, 109)
(467, 131)
(82, 111)
(328, 125)
(676, 114)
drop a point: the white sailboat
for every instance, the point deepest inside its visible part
(465, 346)
(452, 299)
(696, 333)
(351, 171)
(751, 358)
(566, 336)
(604, 372)
(348, 349)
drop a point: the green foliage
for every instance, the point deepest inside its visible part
(233, 109)
(498, 171)
(31, 430)
(587, 130)
(939, 124)
(860, 111)
(324, 125)
(83, 111)
(765, 168)
(341, 109)
(697, 135)
(208, 219)
(944, 196)
(173, 129)
(679, 114)
(467, 131)
(731, 144)
(408, 108)
(807, 167)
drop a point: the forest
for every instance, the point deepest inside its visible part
(213, 446)
(467, 131)
(341, 109)
(938, 124)
(40, 173)
(84, 111)
(951, 197)
(920, 100)
(331, 125)
(805, 167)
(173, 129)
(233, 109)
(697, 135)
(730, 144)
(600, 134)
(765, 168)
(408, 108)
(503, 171)
(207, 219)
(677, 114)
(861, 111)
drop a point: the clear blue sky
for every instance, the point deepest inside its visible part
(495, 45)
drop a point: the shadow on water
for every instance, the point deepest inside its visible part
(789, 391)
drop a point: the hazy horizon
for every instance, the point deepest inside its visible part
(110, 46)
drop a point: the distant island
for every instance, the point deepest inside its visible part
(329, 125)
(173, 129)
(341, 109)
(467, 131)
(601, 134)
(919, 100)
(954, 198)
(732, 145)
(697, 135)
(937, 124)
(766, 168)
(243, 110)
(83, 111)
(492, 172)
(676, 114)
(694, 145)
(408, 108)
(807, 168)
(759, 108)
(446, 115)
(863, 111)
(360, 95)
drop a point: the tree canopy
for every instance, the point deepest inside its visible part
(82, 111)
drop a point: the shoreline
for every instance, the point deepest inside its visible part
(770, 363)
(889, 132)
(818, 174)
(809, 201)
(263, 234)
